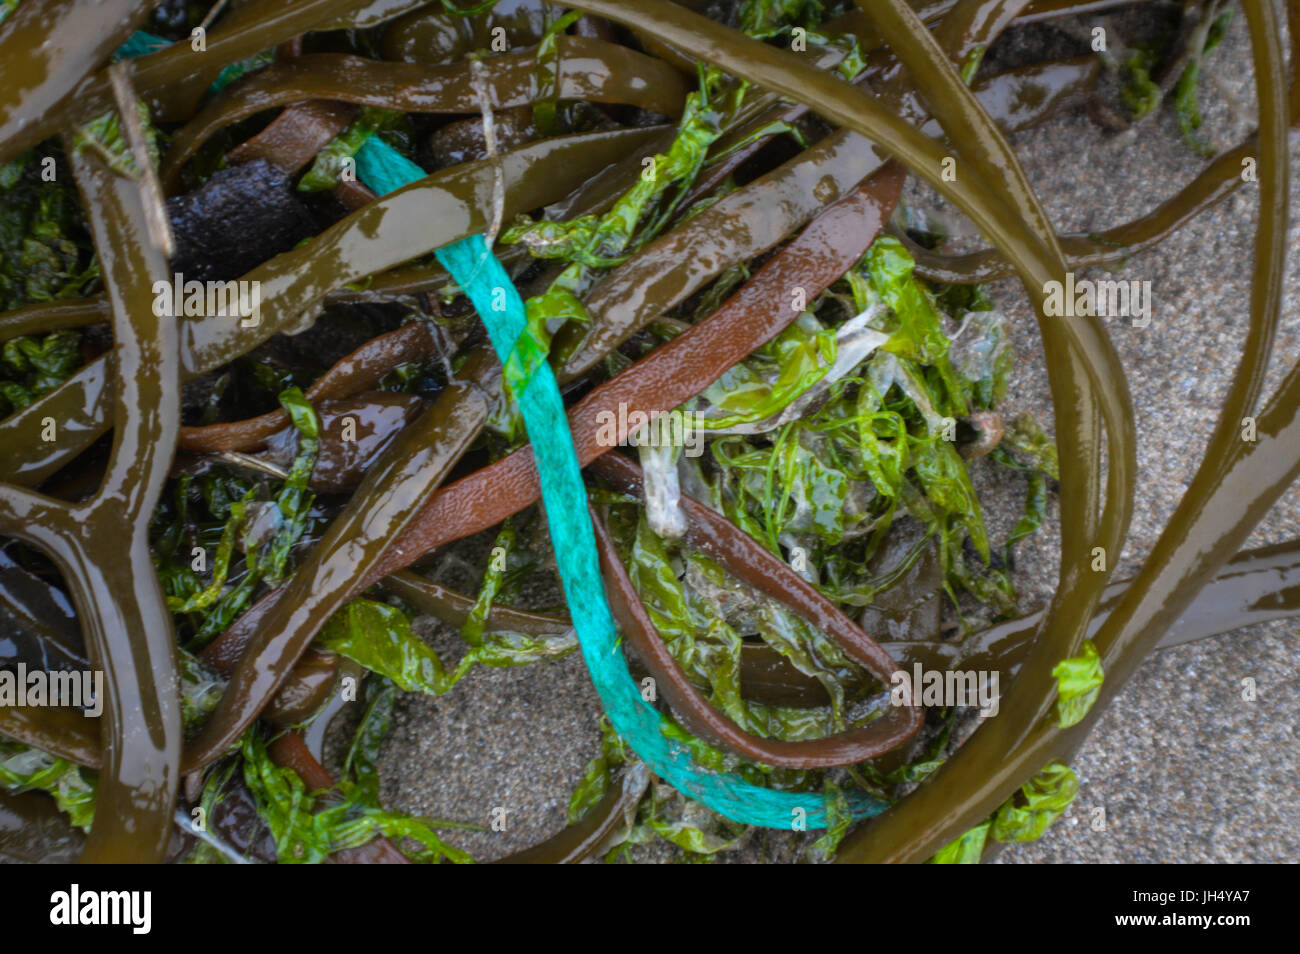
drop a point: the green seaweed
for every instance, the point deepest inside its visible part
(308, 827)
(548, 56)
(45, 254)
(333, 161)
(1078, 681)
(1023, 817)
(33, 365)
(882, 444)
(965, 850)
(837, 826)
(1141, 94)
(1040, 801)
(266, 531)
(596, 776)
(23, 769)
(104, 135)
(379, 637)
(1187, 105)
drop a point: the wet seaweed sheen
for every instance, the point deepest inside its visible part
(237, 514)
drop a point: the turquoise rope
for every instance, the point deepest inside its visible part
(383, 168)
(141, 43)
(477, 271)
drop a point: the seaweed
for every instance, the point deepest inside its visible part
(729, 270)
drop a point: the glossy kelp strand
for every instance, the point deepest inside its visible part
(1232, 489)
(533, 386)
(584, 839)
(358, 371)
(1292, 23)
(589, 70)
(439, 208)
(48, 48)
(53, 315)
(938, 12)
(954, 8)
(172, 81)
(1081, 365)
(1016, 100)
(453, 608)
(141, 43)
(1114, 246)
(295, 137)
(33, 830)
(445, 32)
(355, 432)
(703, 720)
(38, 625)
(1255, 586)
(1021, 98)
(306, 691)
(478, 502)
(329, 576)
(63, 732)
(668, 376)
(102, 545)
(746, 222)
(373, 13)
(314, 735)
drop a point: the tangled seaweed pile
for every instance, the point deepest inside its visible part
(254, 424)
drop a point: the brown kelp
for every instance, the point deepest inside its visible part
(233, 495)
